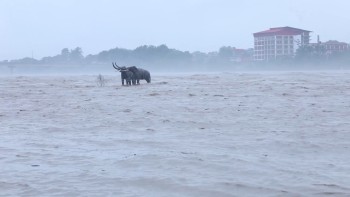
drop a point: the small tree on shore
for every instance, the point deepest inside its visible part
(100, 81)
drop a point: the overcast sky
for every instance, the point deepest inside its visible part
(45, 27)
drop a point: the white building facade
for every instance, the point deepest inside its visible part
(279, 43)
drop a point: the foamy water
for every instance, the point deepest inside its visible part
(228, 134)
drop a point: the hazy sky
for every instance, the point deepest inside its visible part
(45, 27)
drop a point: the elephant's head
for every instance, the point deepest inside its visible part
(133, 69)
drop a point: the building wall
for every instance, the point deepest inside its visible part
(331, 46)
(336, 47)
(275, 47)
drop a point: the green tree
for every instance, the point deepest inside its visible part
(310, 53)
(65, 54)
(226, 53)
(76, 54)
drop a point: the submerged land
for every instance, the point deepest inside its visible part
(209, 134)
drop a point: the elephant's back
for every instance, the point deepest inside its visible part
(144, 74)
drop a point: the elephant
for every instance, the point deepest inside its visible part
(138, 74)
(126, 74)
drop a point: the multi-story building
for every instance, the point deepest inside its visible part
(330, 47)
(279, 43)
(334, 46)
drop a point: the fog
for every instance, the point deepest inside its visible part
(40, 28)
(225, 134)
(215, 119)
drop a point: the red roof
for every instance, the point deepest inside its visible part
(290, 31)
(335, 42)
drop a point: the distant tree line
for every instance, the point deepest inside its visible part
(146, 54)
(142, 54)
(319, 55)
(313, 56)
(163, 56)
(74, 56)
